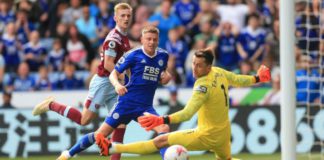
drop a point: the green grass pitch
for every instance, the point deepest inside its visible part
(193, 157)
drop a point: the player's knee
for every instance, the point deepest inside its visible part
(85, 121)
(122, 126)
(162, 128)
(161, 141)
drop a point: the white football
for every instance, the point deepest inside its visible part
(176, 152)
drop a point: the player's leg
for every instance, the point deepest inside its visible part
(119, 132)
(64, 110)
(86, 141)
(115, 118)
(98, 94)
(223, 149)
(95, 98)
(187, 138)
(160, 130)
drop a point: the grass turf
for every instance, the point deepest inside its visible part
(192, 157)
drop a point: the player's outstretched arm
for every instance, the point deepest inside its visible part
(120, 89)
(237, 80)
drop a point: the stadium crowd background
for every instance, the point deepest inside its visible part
(55, 44)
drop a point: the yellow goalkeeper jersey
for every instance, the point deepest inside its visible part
(210, 98)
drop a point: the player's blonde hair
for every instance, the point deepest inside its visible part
(121, 6)
(150, 29)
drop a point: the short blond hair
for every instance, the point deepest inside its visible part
(150, 29)
(121, 6)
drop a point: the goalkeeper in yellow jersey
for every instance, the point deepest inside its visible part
(210, 99)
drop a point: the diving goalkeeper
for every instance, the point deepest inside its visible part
(210, 99)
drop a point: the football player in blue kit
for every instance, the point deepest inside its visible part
(147, 68)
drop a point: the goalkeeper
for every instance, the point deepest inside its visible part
(210, 99)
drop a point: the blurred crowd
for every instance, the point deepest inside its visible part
(55, 44)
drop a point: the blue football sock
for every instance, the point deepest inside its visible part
(85, 142)
(162, 150)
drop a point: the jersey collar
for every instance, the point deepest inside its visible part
(148, 54)
(120, 31)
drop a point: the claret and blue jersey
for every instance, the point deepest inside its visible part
(145, 75)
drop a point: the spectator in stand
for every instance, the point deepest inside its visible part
(164, 20)
(206, 34)
(32, 8)
(307, 81)
(55, 15)
(187, 10)
(79, 50)
(44, 19)
(173, 101)
(272, 45)
(68, 80)
(6, 100)
(273, 96)
(10, 48)
(72, 13)
(23, 81)
(6, 14)
(87, 26)
(268, 11)
(56, 56)
(23, 26)
(307, 37)
(251, 41)
(43, 82)
(234, 12)
(226, 53)
(34, 52)
(2, 72)
(140, 19)
(206, 13)
(93, 70)
(245, 68)
(104, 20)
(178, 50)
(62, 34)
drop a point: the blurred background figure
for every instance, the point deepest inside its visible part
(6, 99)
(173, 101)
(23, 81)
(273, 96)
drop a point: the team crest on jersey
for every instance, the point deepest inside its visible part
(112, 44)
(202, 89)
(160, 62)
(121, 60)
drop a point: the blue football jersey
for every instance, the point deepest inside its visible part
(145, 75)
(252, 40)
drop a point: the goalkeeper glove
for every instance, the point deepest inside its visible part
(150, 121)
(263, 74)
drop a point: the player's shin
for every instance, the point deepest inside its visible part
(144, 147)
(85, 142)
(117, 136)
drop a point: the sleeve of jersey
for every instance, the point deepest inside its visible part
(110, 48)
(237, 80)
(200, 94)
(124, 63)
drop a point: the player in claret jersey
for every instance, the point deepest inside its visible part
(101, 92)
